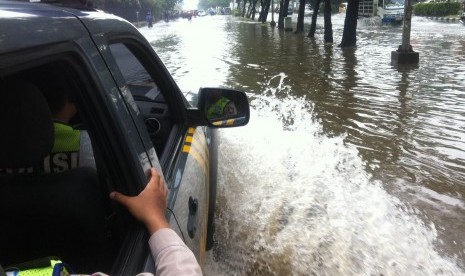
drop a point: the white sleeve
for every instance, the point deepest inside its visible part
(171, 255)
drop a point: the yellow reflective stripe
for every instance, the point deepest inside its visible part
(228, 122)
(200, 144)
(199, 160)
(201, 138)
(188, 140)
(43, 271)
(195, 144)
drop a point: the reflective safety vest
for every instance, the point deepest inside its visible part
(66, 138)
(65, 151)
(217, 109)
(39, 267)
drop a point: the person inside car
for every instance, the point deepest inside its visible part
(72, 147)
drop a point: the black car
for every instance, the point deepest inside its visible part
(135, 118)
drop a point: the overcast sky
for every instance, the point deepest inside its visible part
(190, 4)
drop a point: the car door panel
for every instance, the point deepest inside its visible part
(192, 172)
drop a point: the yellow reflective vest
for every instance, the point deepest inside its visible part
(65, 151)
(66, 138)
(40, 267)
(217, 109)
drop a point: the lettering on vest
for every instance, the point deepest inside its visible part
(61, 161)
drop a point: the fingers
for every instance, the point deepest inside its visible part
(150, 205)
(156, 181)
(119, 197)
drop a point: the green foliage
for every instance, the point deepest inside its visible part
(437, 9)
(236, 12)
(205, 4)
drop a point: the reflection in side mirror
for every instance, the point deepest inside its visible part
(224, 107)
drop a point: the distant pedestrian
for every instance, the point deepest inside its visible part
(149, 19)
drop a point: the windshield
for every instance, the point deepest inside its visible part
(393, 3)
(137, 78)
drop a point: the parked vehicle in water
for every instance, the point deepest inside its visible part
(391, 11)
(135, 117)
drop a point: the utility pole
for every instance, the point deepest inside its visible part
(405, 53)
(137, 15)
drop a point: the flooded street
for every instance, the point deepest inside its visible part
(349, 166)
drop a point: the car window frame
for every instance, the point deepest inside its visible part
(175, 100)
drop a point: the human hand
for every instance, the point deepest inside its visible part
(150, 205)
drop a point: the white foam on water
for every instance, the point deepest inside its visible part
(292, 201)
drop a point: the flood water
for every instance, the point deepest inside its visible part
(349, 166)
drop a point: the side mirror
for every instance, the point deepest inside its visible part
(222, 107)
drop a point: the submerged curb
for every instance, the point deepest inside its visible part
(446, 19)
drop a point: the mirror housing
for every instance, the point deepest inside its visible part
(221, 107)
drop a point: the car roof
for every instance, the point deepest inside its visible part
(24, 24)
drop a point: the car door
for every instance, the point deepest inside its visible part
(161, 117)
(119, 152)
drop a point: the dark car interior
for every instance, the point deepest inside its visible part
(43, 214)
(66, 214)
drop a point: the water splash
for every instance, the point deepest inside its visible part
(311, 208)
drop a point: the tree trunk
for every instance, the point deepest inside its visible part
(253, 10)
(316, 8)
(262, 6)
(265, 9)
(243, 8)
(328, 25)
(283, 13)
(249, 9)
(300, 18)
(349, 36)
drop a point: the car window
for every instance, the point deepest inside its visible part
(136, 77)
(151, 104)
(59, 187)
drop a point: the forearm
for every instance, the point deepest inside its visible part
(171, 255)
